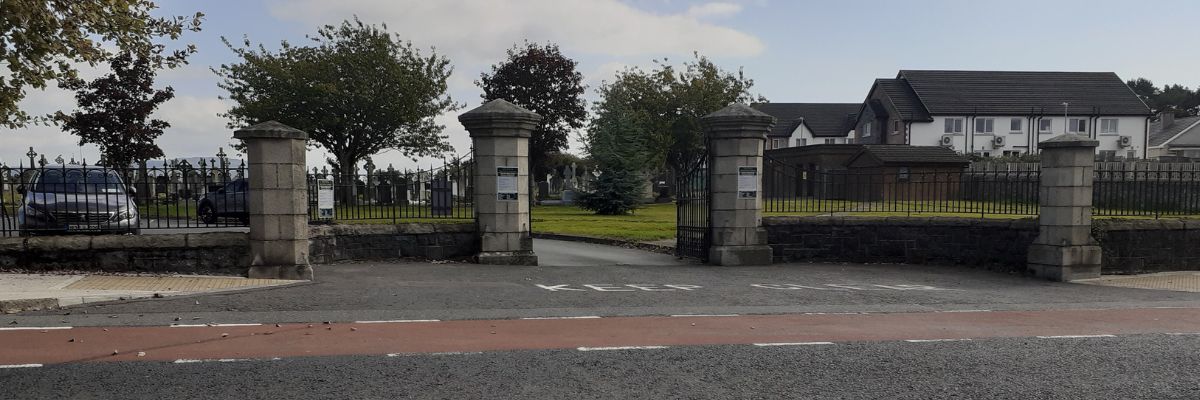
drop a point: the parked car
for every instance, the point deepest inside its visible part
(226, 202)
(77, 199)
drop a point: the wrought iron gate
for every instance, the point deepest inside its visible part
(693, 234)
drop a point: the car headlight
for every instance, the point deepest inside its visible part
(125, 214)
(32, 211)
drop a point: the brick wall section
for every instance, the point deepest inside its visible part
(384, 242)
(220, 253)
(991, 244)
(1131, 246)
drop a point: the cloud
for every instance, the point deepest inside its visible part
(474, 31)
(714, 10)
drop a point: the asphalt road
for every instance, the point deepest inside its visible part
(1136, 367)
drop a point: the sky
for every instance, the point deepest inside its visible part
(796, 51)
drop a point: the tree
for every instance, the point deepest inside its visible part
(357, 90)
(615, 150)
(1176, 99)
(666, 106)
(115, 111)
(42, 41)
(540, 79)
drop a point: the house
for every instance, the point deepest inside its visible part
(805, 124)
(994, 113)
(1175, 137)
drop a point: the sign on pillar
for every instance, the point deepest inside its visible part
(736, 135)
(500, 134)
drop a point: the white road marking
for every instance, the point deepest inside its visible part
(397, 321)
(20, 366)
(1183, 333)
(704, 315)
(213, 325)
(956, 311)
(221, 360)
(792, 344)
(444, 353)
(1075, 336)
(936, 340)
(581, 317)
(35, 328)
(620, 348)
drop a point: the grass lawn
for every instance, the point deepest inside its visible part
(654, 222)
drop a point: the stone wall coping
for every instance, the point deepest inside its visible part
(396, 229)
(1068, 140)
(1022, 223)
(270, 130)
(109, 242)
(1107, 224)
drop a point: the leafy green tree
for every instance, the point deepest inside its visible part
(540, 79)
(666, 104)
(356, 89)
(1176, 99)
(615, 150)
(44, 40)
(115, 111)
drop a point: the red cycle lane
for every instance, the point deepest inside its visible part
(90, 344)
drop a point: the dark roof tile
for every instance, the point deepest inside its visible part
(822, 119)
(1020, 93)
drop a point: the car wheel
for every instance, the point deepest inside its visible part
(207, 214)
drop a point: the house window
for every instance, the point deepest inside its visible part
(1077, 125)
(1045, 125)
(777, 143)
(895, 127)
(954, 125)
(850, 140)
(1011, 153)
(801, 142)
(1108, 126)
(1014, 125)
(903, 174)
(985, 125)
(830, 141)
(866, 130)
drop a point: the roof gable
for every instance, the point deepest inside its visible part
(1022, 93)
(1185, 132)
(822, 119)
(905, 155)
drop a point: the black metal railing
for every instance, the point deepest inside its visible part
(57, 199)
(1120, 192)
(790, 189)
(409, 195)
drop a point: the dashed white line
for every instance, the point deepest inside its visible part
(936, 340)
(212, 325)
(620, 348)
(704, 315)
(1183, 333)
(792, 344)
(397, 321)
(961, 311)
(35, 328)
(580, 317)
(20, 366)
(444, 353)
(220, 360)
(1076, 336)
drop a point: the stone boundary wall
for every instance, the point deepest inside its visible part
(331, 243)
(992, 244)
(1129, 246)
(221, 253)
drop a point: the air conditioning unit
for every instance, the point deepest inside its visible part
(947, 140)
(998, 142)
(1125, 141)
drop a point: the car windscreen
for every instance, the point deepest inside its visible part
(78, 181)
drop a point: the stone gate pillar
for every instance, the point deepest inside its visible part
(1064, 249)
(277, 201)
(500, 135)
(736, 137)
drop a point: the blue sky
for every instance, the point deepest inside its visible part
(796, 51)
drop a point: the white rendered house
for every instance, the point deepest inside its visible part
(806, 124)
(995, 113)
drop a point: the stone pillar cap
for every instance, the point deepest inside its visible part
(1068, 140)
(741, 113)
(270, 130)
(737, 121)
(499, 109)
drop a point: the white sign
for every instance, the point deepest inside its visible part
(324, 199)
(747, 184)
(506, 183)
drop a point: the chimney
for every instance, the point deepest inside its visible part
(1166, 119)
